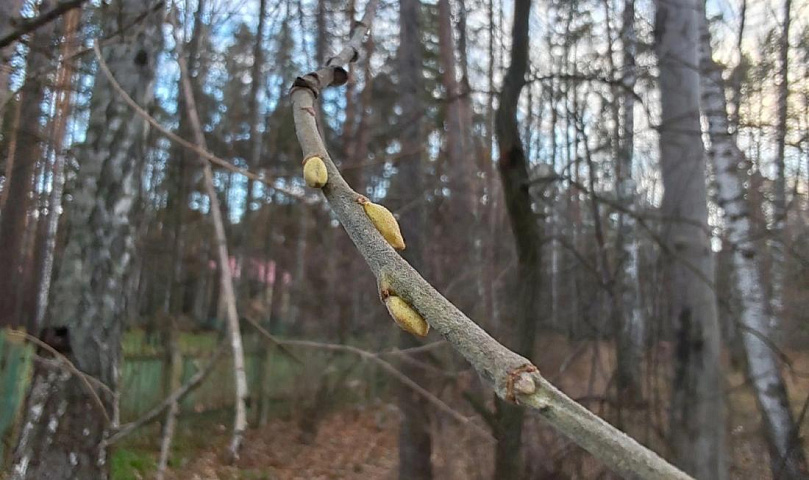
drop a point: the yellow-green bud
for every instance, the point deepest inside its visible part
(385, 222)
(314, 172)
(406, 317)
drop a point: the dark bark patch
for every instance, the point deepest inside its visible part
(141, 58)
(57, 338)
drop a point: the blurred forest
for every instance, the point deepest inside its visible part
(616, 190)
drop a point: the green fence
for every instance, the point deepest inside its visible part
(142, 385)
(15, 368)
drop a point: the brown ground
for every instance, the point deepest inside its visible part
(360, 442)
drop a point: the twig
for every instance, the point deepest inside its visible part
(512, 376)
(26, 25)
(398, 375)
(271, 338)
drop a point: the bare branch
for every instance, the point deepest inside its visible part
(64, 362)
(27, 25)
(399, 376)
(512, 376)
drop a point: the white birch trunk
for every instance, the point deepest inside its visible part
(65, 428)
(226, 279)
(786, 451)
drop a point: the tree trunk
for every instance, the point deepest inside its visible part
(786, 451)
(63, 431)
(458, 212)
(227, 291)
(780, 236)
(266, 364)
(513, 168)
(631, 324)
(697, 404)
(415, 444)
(64, 101)
(255, 143)
(8, 11)
(21, 167)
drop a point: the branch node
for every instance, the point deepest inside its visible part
(520, 381)
(301, 82)
(340, 76)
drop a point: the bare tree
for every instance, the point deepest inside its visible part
(513, 168)
(63, 433)
(697, 405)
(631, 323)
(415, 444)
(786, 450)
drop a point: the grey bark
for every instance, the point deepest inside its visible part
(63, 432)
(786, 449)
(697, 422)
(511, 375)
(415, 444)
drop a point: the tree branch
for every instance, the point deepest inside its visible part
(27, 25)
(512, 376)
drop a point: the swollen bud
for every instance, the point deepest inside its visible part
(406, 317)
(314, 172)
(384, 221)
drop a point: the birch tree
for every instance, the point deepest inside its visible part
(697, 406)
(786, 451)
(780, 195)
(66, 420)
